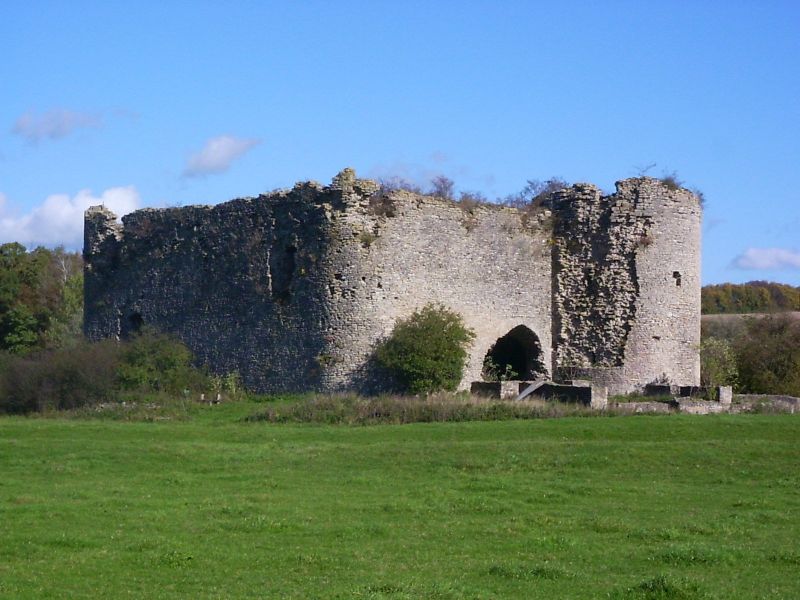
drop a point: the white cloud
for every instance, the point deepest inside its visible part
(59, 219)
(54, 124)
(767, 258)
(217, 155)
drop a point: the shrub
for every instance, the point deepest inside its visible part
(158, 363)
(60, 379)
(427, 351)
(87, 374)
(672, 181)
(768, 355)
(229, 384)
(718, 363)
(469, 201)
(494, 372)
(701, 197)
(535, 193)
(392, 184)
(442, 187)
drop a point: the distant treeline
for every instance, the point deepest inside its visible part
(750, 297)
(41, 298)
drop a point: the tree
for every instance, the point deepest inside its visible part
(718, 363)
(394, 183)
(442, 187)
(768, 355)
(427, 351)
(41, 297)
(535, 192)
(750, 297)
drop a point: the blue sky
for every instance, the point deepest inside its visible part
(172, 103)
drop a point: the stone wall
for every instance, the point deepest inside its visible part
(295, 289)
(240, 283)
(626, 272)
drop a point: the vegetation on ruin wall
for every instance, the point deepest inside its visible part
(639, 507)
(752, 297)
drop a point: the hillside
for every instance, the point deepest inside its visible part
(750, 297)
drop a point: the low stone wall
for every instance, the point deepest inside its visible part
(701, 407)
(727, 403)
(505, 390)
(644, 407)
(777, 402)
(721, 394)
(594, 396)
(584, 393)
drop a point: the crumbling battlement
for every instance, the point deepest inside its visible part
(293, 289)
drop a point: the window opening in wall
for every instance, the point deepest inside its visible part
(516, 355)
(676, 275)
(281, 267)
(131, 325)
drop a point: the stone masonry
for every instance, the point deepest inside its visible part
(294, 289)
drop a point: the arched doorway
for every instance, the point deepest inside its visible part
(516, 355)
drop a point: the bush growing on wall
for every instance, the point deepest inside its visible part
(427, 351)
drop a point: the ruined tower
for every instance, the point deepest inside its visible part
(294, 289)
(626, 284)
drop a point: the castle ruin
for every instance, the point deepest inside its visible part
(294, 289)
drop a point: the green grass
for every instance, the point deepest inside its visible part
(214, 507)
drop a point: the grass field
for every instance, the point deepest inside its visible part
(213, 507)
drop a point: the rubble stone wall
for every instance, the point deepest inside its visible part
(294, 289)
(626, 271)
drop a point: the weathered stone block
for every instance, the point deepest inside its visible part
(489, 389)
(700, 407)
(725, 394)
(599, 399)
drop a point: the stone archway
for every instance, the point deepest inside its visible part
(516, 355)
